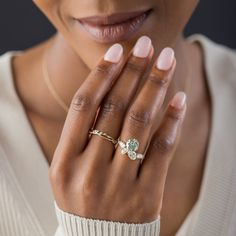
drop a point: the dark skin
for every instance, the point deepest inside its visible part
(186, 167)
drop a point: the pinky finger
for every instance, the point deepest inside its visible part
(163, 144)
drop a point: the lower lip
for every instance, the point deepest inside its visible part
(115, 32)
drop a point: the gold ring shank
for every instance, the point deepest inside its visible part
(103, 135)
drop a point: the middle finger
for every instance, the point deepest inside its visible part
(115, 104)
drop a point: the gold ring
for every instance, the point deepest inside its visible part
(103, 135)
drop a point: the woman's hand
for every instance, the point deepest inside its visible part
(89, 176)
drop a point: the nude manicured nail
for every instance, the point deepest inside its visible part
(142, 47)
(165, 59)
(114, 53)
(179, 100)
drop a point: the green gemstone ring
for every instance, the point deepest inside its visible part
(130, 148)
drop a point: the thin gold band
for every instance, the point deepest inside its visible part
(103, 135)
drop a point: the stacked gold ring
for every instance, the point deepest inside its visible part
(103, 135)
(129, 148)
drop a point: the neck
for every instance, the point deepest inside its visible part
(67, 70)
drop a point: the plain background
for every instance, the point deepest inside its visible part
(23, 25)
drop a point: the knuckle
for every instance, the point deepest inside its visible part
(112, 106)
(89, 188)
(159, 79)
(91, 184)
(139, 118)
(163, 144)
(57, 176)
(134, 66)
(103, 69)
(81, 102)
(175, 114)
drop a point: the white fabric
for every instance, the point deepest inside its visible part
(85, 226)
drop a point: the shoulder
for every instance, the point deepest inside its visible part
(4, 64)
(220, 57)
(6, 74)
(5, 59)
(217, 56)
(5, 68)
(215, 51)
(219, 61)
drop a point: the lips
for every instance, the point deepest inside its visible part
(115, 27)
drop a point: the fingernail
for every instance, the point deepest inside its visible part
(142, 47)
(179, 100)
(165, 59)
(114, 53)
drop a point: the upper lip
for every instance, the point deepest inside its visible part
(111, 19)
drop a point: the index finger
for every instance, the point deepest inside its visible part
(87, 99)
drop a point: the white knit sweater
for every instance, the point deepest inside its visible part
(27, 206)
(73, 226)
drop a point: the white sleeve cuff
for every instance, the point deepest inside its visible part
(73, 225)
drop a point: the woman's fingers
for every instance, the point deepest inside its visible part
(156, 162)
(87, 99)
(143, 114)
(115, 104)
